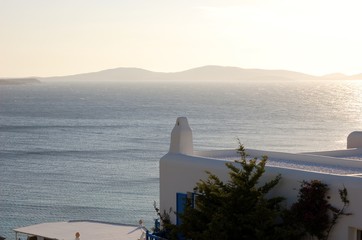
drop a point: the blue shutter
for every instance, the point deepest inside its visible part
(180, 205)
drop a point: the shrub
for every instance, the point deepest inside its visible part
(312, 215)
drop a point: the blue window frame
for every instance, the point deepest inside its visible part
(180, 205)
(181, 199)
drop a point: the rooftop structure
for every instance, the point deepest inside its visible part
(88, 230)
(182, 167)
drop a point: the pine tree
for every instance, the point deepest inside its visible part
(237, 209)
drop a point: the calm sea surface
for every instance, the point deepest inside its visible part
(91, 151)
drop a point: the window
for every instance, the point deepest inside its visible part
(359, 234)
(180, 205)
(181, 202)
(354, 233)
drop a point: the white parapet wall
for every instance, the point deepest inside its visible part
(182, 167)
(354, 140)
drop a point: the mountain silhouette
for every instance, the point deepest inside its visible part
(205, 73)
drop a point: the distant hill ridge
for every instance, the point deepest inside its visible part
(205, 73)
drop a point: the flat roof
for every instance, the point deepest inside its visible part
(89, 230)
(315, 167)
(340, 162)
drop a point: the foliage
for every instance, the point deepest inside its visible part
(237, 209)
(312, 215)
(167, 230)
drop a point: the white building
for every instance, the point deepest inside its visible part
(182, 167)
(77, 230)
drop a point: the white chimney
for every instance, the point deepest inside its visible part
(181, 137)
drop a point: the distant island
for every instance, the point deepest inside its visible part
(205, 73)
(18, 81)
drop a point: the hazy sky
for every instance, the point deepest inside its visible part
(61, 37)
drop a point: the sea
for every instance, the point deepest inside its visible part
(90, 151)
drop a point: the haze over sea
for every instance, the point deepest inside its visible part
(91, 151)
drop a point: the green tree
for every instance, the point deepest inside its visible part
(237, 209)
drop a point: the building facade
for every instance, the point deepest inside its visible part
(182, 167)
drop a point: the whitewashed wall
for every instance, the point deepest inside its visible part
(179, 172)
